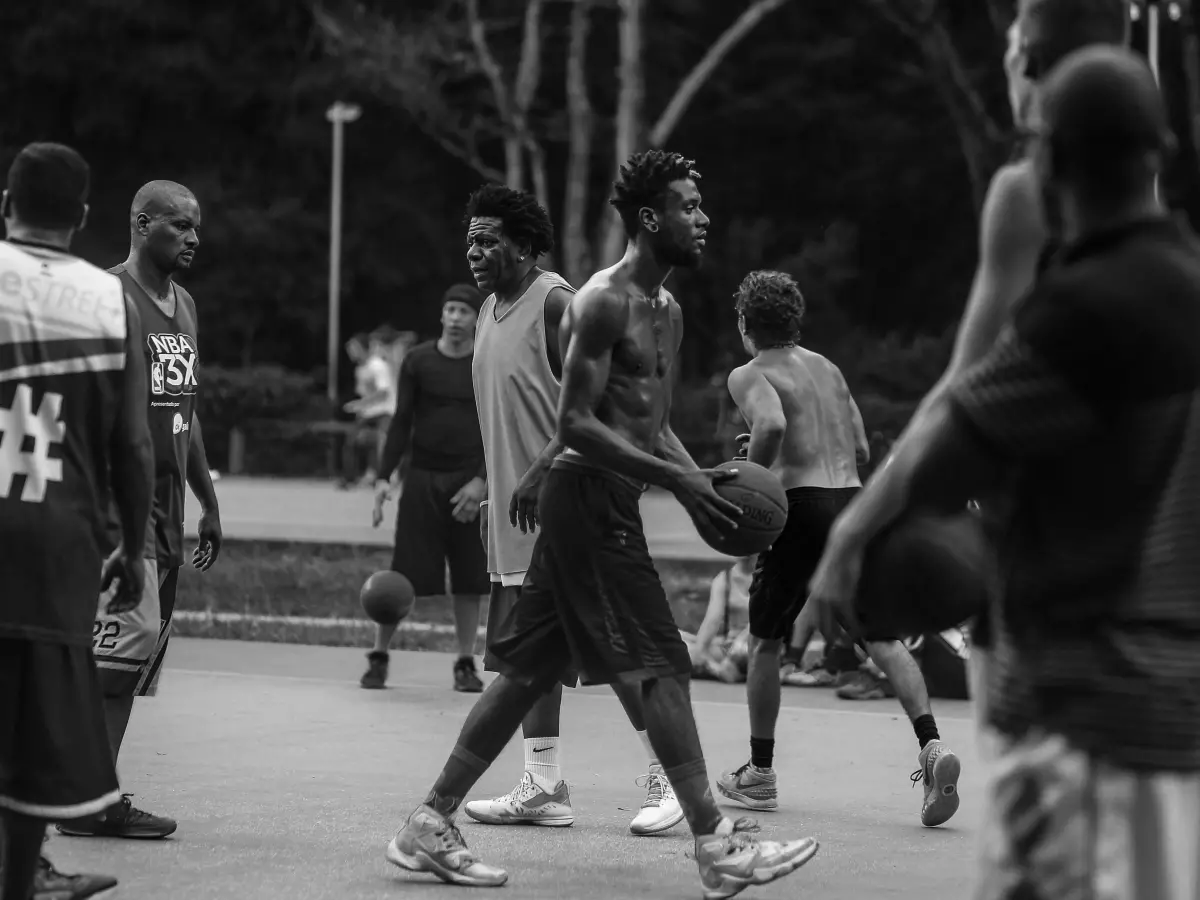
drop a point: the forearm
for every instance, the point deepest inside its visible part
(671, 449)
(396, 445)
(199, 477)
(549, 453)
(133, 490)
(590, 437)
(765, 444)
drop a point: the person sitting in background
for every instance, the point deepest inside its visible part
(375, 384)
(720, 647)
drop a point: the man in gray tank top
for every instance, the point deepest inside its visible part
(517, 369)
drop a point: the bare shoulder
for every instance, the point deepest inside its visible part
(1012, 211)
(742, 377)
(600, 308)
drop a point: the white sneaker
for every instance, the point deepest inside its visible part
(526, 804)
(661, 811)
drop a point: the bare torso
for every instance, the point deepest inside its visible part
(636, 398)
(823, 436)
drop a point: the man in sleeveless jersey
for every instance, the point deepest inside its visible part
(72, 435)
(806, 428)
(130, 647)
(1014, 236)
(592, 600)
(517, 372)
(436, 517)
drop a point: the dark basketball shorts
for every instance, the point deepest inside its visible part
(501, 608)
(592, 598)
(780, 584)
(130, 647)
(428, 538)
(55, 761)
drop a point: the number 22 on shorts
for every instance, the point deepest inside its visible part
(104, 635)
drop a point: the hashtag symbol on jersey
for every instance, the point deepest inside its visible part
(17, 425)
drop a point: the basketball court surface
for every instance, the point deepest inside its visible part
(288, 781)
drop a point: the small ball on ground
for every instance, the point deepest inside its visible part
(387, 597)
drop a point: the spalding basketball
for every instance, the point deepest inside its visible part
(925, 574)
(387, 597)
(763, 502)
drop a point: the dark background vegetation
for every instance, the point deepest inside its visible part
(846, 141)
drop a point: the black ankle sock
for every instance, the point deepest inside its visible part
(762, 752)
(926, 729)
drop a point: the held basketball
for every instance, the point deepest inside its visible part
(763, 502)
(924, 575)
(387, 597)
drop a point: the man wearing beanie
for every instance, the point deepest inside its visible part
(437, 520)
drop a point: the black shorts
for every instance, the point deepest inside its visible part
(781, 576)
(501, 607)
(592, 597)
(428, 537)
(55, 761)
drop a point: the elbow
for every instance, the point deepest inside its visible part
(771, 430)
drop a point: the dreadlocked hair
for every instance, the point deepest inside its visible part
(522, 218)
(771, 307)
(643, 181)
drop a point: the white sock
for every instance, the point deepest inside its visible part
(649, 750)
(541, 761)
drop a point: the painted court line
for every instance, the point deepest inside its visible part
(309, 679)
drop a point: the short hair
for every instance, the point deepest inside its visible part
(643, 181)
(523, 218)
(464, 293)
(771, 307)
(48, 186)
(1057, 28)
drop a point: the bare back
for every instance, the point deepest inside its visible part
(630, 341)
(822, 430)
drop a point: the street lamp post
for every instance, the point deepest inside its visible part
(338, 115)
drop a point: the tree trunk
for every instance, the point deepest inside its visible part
(630, 98)
(575, 252)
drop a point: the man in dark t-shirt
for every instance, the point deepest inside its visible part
(1085, 417)
(437, 425)
(130, 647)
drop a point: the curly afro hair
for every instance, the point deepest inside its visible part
(771, 307)
(644, 180)
(523, 218)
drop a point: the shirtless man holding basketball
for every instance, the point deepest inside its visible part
(806, 428)
(592, 598)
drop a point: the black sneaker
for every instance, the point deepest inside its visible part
(50, 884)
(375, 678)
(466, 678)
(121, 820)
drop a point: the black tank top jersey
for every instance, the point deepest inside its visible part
(172, 357)
(63, 328)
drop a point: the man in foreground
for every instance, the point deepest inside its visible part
(130, 646)
(436, 518)
(72, 427)
(1095, 676)
(806, 428)
(592, 598)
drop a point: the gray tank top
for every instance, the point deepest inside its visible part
(517, 396)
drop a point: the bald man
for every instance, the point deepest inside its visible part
(164, 226)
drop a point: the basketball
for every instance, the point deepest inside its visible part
(924, 575)
(763, 502)
(387, 597)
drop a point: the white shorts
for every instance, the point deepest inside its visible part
(129, 647)
(1063, 825)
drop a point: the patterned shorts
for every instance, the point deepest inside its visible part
(1063, 825)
